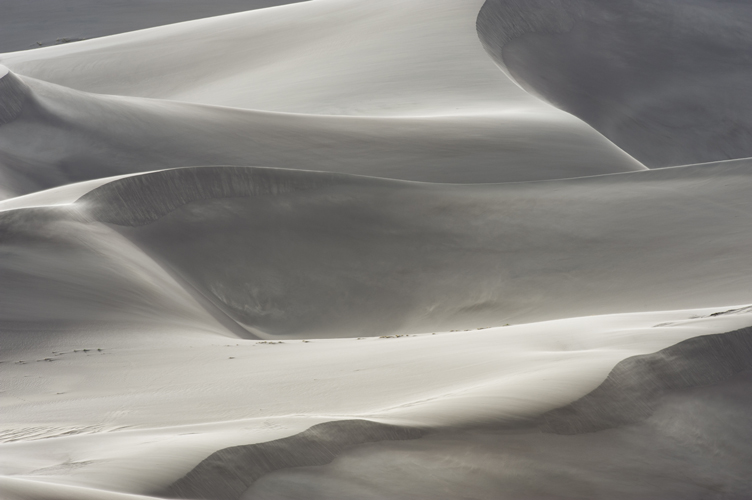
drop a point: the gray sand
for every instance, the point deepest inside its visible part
(666, 80)
(31, 24)
(332, 250)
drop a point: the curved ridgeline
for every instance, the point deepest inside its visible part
(637, 386)
(143, 199)
(306, 254)
(665, 414)
(666, 81)
(228, 473)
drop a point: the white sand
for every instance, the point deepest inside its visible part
(153, 319)
(430, 104)
(120, 404)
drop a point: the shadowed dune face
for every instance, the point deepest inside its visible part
(228, 473)
(692, 448)
(394, 89)
(299, 254)
(637, 387)
(676, 420)
(666, 80)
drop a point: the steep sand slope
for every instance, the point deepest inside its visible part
(392, 59)
(301, 254)
(36, 23)
(421, 57)
(237, 332)
(53, 136)
(666, 80)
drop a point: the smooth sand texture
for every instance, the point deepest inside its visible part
(692, 448)
(430, 104)
(298, 260)
(665, 80)
(686, 405)
(345, 249)
(64, 136)
(128, 439)
(354, 57)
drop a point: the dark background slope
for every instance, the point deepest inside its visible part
(28, 24)
(666, 80)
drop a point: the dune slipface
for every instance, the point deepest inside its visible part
(345, 249)
(402, 91)
(664, 80)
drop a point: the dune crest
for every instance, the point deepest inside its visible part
(69, 136)
(358, 249)
(296, 260)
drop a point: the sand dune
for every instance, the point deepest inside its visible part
(344, 249)
(445, 112)
(489, 377)
(667, 81)
(668, 448)
(322, 57)
(63, 136)
(314, 254)
(63, 273)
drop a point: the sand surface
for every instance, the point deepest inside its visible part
(40, 23)
(665, 80)
(344, 249)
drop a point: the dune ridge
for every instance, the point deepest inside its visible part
(670, 452)
(300, 86)
(345, 249)
(147, 198)
(228, 473)
(301, 263)
(637, 385)
(67, 136)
